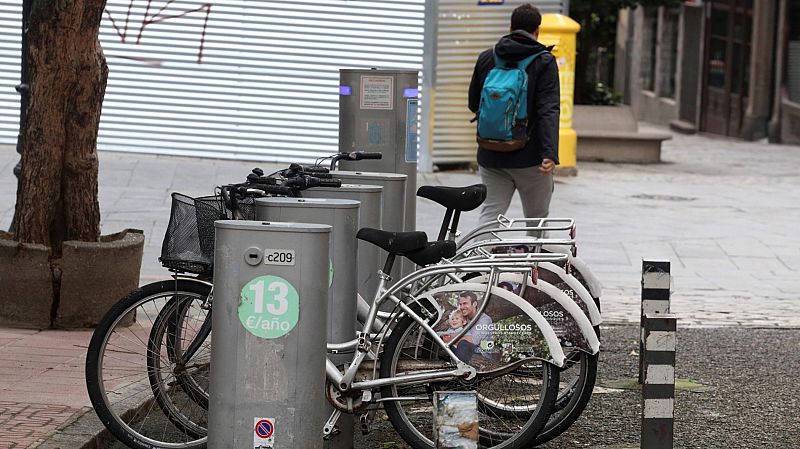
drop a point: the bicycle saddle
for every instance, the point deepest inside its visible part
(463, 199)
(400, 243)
(433, 252)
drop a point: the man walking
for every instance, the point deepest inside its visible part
(528, 169)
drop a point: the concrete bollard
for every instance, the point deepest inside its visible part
(270, 310)
(655, 297)
(658, 389)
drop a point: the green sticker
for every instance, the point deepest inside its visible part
(270, 307)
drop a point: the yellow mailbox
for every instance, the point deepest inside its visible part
(560, 31)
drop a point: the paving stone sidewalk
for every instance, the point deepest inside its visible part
(724, 212)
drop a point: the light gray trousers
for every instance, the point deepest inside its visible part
(535, 191)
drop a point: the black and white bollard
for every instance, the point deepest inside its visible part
(658, 388)
(655, 297)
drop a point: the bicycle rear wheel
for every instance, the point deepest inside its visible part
(409, 348)
(117, 374)
(577, 384)
(180, 382)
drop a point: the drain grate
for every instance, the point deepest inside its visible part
(645, 196)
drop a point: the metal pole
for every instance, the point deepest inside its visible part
(425, 163)
(24, 90)
(268, 359)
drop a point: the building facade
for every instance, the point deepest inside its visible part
(726, 67)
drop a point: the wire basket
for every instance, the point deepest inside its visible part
(189, 241)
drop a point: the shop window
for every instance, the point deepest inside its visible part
(649, 46)
(668, 58)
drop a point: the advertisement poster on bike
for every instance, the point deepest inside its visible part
(569, 321)
(488, 333)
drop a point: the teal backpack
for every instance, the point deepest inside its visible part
(503, 112)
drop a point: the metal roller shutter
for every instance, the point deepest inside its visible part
(464, 30)
(239, 79)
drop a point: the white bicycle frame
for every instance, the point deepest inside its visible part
(362, 344)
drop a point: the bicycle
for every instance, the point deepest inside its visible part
(174, 317)
(581, 367)
(174, 341)
(484, 401)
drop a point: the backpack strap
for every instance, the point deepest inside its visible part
(522, 64)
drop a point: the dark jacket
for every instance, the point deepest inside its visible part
(544, 101)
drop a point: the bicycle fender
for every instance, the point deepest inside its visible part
(592, 283)
(195, 280)
(501, 328)
(590, 343)
(584, 296)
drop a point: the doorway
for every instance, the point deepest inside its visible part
(726, 79)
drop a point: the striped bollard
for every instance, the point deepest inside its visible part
(658, 390)
(655, 297)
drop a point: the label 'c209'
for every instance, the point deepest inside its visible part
(279, 257)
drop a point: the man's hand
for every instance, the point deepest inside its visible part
(547, 166)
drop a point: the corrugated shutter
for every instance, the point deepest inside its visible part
(10, 29)
(464, 30)
(240, 79)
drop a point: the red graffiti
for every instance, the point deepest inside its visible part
(160, 16)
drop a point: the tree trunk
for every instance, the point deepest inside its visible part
(57, 198)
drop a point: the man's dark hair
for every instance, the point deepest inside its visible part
(468, 294)
(526, 17)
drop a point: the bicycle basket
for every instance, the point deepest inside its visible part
(189, 241)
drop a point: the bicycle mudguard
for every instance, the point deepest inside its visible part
(573, 288)
(578, 264)
(570, 322)
(508, 328)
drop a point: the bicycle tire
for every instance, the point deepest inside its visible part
(177, 321)
(569, 407)
(513, 433)
(116, 369)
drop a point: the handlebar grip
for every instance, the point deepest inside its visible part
(316, 169)
(322, 182)
(369, 155)
(269, 189)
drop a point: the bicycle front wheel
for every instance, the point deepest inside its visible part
(118, 378)
(411, 349)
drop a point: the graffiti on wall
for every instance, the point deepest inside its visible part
(152, 16)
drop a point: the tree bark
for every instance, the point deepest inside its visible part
(57, 198)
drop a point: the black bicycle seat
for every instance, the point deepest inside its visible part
(400, 243)
(433, 252)
(463, 199)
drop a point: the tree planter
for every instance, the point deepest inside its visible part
(73, 291)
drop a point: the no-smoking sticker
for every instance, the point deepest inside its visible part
(263, 433)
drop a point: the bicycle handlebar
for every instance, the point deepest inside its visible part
(355, 156)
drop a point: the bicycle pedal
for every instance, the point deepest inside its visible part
(364, 420)
(335, 431)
